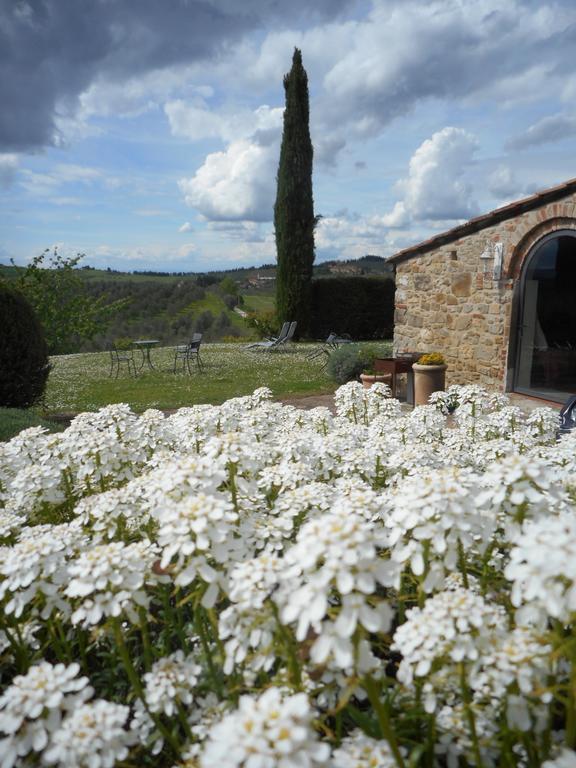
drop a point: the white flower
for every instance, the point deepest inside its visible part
(191, 532)
(542, 568)
(36, 566)
(32, 707)
(92, 736)
(270, 730)
(171, 681)
(452, 627)
(566, 758)
(110, 580)
(361, 751)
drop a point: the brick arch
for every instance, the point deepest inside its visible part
(531, 238)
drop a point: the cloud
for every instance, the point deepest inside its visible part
(8, 169)
(51, 51)
(405, 52)
(545, 131)
(503, 184)
(434, 189)
(238, 183)
(197, 121)
(186, 227)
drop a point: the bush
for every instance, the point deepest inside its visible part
(348, 362)
(360, 306)
(24, 365)
(264, 323)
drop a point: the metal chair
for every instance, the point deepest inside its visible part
(188, 352)
(120, 357)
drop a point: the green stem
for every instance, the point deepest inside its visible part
(145, 639)
(466, 698)
(462, 563)
(571, 710)
(137, 686)
(293, 665)
(383, 719)
(201, 629)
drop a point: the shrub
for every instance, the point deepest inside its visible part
(24, 365)
(264, 323)
(348, 362)
(360, 306)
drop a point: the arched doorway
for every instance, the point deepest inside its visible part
(546, 342)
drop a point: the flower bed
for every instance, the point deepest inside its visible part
(254, 585)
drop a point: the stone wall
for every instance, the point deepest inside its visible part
(446, 302)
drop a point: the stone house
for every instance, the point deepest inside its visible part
(497, 296)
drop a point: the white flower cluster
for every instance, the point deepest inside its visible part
(46, 711)
(269, 730)
(251, 551)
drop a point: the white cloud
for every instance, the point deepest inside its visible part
(195, 120)
(237, 184)
(186, 227)
(434, 189)
(549, 129)
(8, 169)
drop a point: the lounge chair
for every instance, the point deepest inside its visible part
(188, 352)
(332, 342)
(274, 341)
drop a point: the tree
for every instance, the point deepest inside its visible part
(58, 295)
(24, 365)
(294, 219)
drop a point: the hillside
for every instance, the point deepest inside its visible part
(172, 306)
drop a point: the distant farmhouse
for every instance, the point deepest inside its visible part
(497, 296)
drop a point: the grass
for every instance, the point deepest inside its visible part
(14, 420)
(82, 383)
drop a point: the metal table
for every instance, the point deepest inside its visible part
(145, 345)
(395, 366)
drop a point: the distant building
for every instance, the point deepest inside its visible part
(345, 268)
(497, 296)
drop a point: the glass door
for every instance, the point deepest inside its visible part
(546, 353)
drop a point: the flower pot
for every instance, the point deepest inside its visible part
(368, 379)
(427, 379)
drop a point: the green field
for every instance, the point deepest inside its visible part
(82, 382)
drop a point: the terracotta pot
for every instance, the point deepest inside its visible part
(368, 379)
(427, 379)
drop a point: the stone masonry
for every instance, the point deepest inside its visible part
(447, 297)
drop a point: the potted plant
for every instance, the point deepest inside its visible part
(369, 376)
(429, 376)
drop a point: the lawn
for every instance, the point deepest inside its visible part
(82, 382)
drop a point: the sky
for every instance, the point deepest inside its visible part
(145, 134)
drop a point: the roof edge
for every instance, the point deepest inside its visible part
(486, 220)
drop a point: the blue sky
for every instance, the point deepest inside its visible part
(146, 133)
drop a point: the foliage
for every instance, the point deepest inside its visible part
(264, 323)
(255, 585)
(432, 358)
(59, 296)
(294, 219)
(349, 361)
(360, 306)
(24, 365)
(229, 286)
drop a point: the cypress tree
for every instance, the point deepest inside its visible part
(294, 219)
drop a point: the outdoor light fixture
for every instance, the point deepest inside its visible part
(492, 258)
